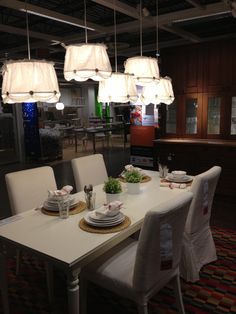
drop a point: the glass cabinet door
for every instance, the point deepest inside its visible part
(233, 117)
(171, 118)
(191, 107)
(213, 115)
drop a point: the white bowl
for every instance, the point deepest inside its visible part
(178, 174)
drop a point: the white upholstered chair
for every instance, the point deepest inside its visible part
(139, 269)
(198, 244)
(28, 189)
(89, 170)
(3, 285)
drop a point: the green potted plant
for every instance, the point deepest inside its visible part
(112, 187)
(133, 179)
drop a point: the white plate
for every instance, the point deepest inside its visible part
(103, 223)
(95, 218)
(53, 205)
(180, 180)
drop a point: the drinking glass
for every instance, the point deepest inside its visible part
(163, 170)
(64, 206)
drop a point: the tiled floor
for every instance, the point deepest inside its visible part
(223, 211)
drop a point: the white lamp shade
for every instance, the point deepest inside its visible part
(119, 88)
(29, 81)
(158, 92)
(60, 106)
(144, 69)
(86, 61)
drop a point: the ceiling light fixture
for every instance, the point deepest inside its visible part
(50, 17)
(86, 61)
(29, 80)
(160, 91)
(60, 106)
(144, 69)
(119, 87)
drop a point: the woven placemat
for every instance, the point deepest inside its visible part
(188, 183)
(84, 226)
(75, 210)
(144, 179)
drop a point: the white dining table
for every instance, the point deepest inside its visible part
(61, 242)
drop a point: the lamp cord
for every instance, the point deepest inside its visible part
(27, 30)
(85, 22)
(115, 36)
(141, 28)
(157, 39)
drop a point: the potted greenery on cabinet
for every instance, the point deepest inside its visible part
(133, 179)
(112, 188)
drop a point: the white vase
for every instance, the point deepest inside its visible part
(133, 188)
(112, 197)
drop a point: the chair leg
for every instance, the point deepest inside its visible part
(18, 260)
(83, 292)
(142, 309)
(3, 285)
(178, 295)
(50, 282)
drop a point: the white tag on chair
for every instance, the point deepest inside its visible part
(166, 242)
(205, 198)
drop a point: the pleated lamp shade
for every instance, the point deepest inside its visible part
(144, 69)
(29, 81)
(86, 61)
(118, 88)
(158, 92)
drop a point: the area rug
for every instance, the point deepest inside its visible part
(215, 292)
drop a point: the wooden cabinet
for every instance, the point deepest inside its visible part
(196, 156)
(204, 76)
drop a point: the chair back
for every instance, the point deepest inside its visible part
(28, 189)
(160, 242)
(203, 189)
(89, 170)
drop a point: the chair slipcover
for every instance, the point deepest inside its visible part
(28, 189)
(3, 285)
(89, 170)
(198, 244)
(139, 269)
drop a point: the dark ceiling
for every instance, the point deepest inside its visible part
(179, 23)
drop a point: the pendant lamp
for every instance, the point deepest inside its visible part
(86, 61)
(158, 92)
(144, 69)
(119, 87)
(29, 80)
(60, 106)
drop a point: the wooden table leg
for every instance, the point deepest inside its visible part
(73, 292)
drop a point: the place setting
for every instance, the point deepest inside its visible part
(62, 203)
(106, 219)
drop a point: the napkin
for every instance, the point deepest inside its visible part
(110, 209)
(173, 185)
(65, 190)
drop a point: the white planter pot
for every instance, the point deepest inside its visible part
(133, 188)
(112, 197)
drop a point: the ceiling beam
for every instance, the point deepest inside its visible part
(119, 7)
(178, 31)
(33, 9)
(196, 4)
(23, 32)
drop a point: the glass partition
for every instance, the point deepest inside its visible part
(233, 117)
(213, 116)
(191, 116)
(171, 118)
